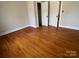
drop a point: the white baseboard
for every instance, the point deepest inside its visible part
(7, 32)
(32, 26)
(69, 27)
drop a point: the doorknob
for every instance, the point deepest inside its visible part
(62, 11)
(57, 16)
(46, 16)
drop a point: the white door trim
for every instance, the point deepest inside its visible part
(36, 13)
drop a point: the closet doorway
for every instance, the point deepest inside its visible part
(42, 10)
(39, 14)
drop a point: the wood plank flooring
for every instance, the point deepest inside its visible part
(40, 42)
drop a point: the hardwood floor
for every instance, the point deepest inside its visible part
(40, 42)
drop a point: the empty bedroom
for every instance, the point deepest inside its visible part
(39, 29)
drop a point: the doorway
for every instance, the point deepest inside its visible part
(39, 14)
(45, 14)
(42, 10)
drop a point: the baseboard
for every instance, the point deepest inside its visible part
(19, 28)
(67, 27)
(32, 26)
(7, 32)
(70, 27)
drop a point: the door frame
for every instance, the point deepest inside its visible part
(59, 14)
(36, 13)
(48, 13)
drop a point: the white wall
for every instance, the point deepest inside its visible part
(31, 13)
(17, 15)
(13, 15)
(70, 17)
